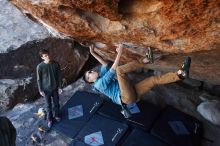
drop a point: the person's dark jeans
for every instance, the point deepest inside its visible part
(55, 98)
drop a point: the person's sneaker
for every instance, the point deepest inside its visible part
(49, 124)
(183, 73)
(58, 119)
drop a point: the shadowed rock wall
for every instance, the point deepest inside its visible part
(16, 29)
(18, 68)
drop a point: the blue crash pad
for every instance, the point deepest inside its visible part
(77, 143)
(144, 119)
(101, 130)
(141, 138)
(177, 128)
(70, 125)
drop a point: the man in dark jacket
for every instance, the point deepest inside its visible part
(7, 132)
(49, 84)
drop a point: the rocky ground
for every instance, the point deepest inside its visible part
(181, 95)
(26, 121)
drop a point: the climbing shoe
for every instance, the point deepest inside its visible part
(183, 73)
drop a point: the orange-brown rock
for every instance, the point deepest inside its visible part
(168, 26)
(105, 8)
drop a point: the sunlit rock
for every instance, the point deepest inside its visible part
(16, 29)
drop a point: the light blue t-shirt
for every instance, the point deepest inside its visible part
(108, 85)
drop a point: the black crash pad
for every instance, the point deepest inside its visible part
(177, 128)
(111, 131)
(144, 119)
(111, 111)
(89, 102)
(77, 143)
(140, 138)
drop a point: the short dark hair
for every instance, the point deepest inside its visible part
(43, 51)
(84, 77)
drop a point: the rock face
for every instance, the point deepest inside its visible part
(105, 8)
(210, 110)
(169, 27)
(16, 29)
(18, 68)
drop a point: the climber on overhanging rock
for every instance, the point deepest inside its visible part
(121, 91)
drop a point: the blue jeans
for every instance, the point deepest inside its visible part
(55, 98)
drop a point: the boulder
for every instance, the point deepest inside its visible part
(210, 110)
(18, 68)
(105, 8)
(16, 29)
(171, 28)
